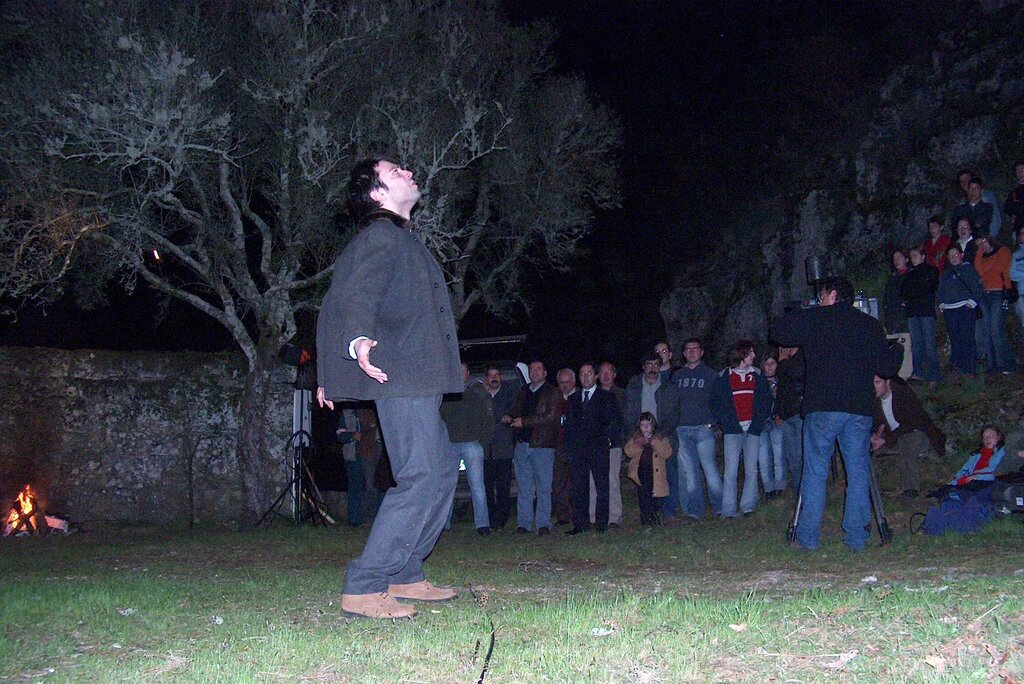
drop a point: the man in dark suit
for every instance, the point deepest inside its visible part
(592, 423)
(388, 296)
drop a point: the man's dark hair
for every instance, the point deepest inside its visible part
(977, 179)
(964, 172)
(533, 361)
(490, 368)
(739, 352)
(593, 366)
(362, 180)
(937, 219)
(842, 286)
(693, 340)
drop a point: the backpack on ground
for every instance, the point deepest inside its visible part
(960, 511)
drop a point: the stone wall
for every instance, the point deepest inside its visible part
(128, 437)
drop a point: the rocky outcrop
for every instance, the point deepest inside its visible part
(960, 105)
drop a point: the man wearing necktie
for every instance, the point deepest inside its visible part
(592, 422)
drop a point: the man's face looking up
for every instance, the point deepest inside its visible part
(537, 373)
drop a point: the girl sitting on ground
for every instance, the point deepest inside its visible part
(981, 466)
(648, 453)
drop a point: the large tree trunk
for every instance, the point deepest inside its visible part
(254, 412)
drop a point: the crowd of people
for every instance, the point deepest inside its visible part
(566, 443)
(569, 443)
(969, 277)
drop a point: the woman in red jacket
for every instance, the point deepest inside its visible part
(935, 244)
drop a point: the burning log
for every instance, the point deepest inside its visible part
(27, 517)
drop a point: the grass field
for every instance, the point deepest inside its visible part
(719, 601)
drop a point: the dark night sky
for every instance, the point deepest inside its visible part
(686, 80)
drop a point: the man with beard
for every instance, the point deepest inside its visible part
(388, 297)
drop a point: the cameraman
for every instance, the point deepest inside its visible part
(844, 349)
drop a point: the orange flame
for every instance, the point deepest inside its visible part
(23, 508)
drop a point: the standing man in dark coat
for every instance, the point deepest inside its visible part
(388, 296)
(592, 423)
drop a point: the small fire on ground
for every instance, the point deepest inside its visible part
(27, 517)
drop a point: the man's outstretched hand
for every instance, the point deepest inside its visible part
(362, 348)
(321, 401)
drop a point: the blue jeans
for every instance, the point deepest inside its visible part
(821, 430)
(696, 454)
(923, 348)
(472, 454)
(670, 503)
(793, 449)
(997, 351)
(533, 468)
(960, 326)
(747, 444)
(770, 459)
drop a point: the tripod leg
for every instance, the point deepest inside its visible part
(314, 499)
(884, 531)
(791, 531)
(278, 502)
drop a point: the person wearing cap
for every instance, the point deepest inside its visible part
(647, 393)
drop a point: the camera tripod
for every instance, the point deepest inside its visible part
(307, 503)
(881, 522)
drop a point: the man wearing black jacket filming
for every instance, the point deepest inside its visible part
(844, 349)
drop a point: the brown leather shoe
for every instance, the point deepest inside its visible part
(381, 605)
(422, 591)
